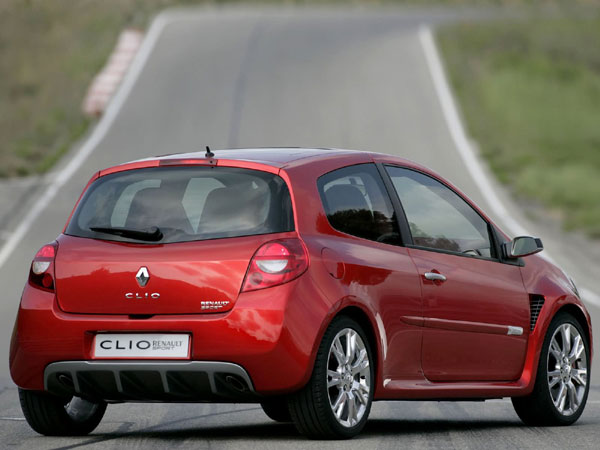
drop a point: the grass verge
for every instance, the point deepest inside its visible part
(530, 94)
(49, 53)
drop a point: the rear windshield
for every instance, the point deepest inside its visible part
(179, 204)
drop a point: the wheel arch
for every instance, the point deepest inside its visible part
(569, 305)
(574, 310)
(362, 318)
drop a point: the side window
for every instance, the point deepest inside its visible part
(438, 218)
(357, 203)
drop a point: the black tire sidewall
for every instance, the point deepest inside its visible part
(542, 375)
(46, 414)
(320, 375)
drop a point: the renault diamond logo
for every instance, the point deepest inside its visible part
(142, 276)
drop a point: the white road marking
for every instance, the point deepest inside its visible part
(457, 131)
(92, 142)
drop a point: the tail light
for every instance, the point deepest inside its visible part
(41, 274)
(275, 263)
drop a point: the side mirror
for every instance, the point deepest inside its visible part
(522, 246)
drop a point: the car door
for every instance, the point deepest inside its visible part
(379, 272)
(475, 306)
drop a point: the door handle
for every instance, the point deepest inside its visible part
(432, 276)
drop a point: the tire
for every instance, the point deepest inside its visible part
(277, 409)
(351, 383)
(561, 367)
(55, 416)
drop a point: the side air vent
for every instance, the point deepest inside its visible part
(535, 306)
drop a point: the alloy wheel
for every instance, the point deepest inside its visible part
(348, 377)
(80, 410)
(567, 369)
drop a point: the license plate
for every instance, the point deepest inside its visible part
(142, 346)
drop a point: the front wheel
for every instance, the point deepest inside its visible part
(561, 386)
(336, 402)
(56, 416)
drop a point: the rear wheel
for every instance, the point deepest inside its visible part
(336, 402)
(561, 386)
(55, 416)
(277, 409)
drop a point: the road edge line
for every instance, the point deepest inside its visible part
(98, 133)
(457, 130)
(464, 148)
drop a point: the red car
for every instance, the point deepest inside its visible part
(312, 281)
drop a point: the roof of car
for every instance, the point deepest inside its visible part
(272, 156)
(275, 157)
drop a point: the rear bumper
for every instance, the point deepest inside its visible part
(271, 335)
(193, 381)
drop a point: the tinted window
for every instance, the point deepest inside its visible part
(185, 203)
(357, 203)
(439, 218)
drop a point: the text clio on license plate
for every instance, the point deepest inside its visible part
(142, 345)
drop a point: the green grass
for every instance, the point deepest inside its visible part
(49, 53)
(530, 94)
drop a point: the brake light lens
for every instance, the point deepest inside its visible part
(41, 274)
(275, 263)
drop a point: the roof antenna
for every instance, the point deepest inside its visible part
(209, 154)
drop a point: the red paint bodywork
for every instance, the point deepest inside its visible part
(431, 341)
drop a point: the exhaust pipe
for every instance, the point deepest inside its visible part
(236, 383)
(66, 380)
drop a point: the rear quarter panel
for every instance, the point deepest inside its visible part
(369, 276)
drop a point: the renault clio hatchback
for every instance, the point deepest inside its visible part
(311, 281)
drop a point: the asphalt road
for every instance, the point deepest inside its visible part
(323, 78)
(391, 425)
